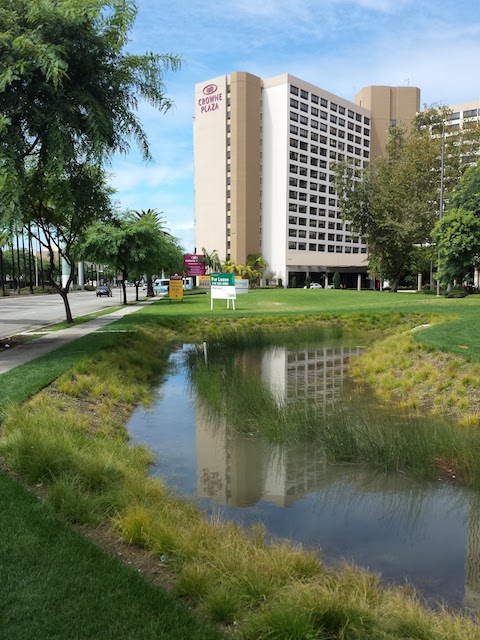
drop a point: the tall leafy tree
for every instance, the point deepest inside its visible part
(457, 234)
(132, 246)
(158, 219)
(69, 95)
(394, 202)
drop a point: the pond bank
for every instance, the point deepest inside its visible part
(270, 591)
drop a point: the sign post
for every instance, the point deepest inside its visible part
(222, 286)
(175, 288)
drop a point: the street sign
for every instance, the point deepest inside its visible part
(175, 288)
(193, 264)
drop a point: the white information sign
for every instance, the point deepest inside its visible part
(222, 287)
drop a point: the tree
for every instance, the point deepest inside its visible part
(393, 203)
(158, 219)
(457, 234)
(69, 96)
(132, 246)
(211, 260)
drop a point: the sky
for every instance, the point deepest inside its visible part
(338, 45)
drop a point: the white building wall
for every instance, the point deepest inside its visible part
(275, 177)
(210, 159)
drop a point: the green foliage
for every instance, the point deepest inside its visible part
(394, 202)
(132, 245)
(336, 280)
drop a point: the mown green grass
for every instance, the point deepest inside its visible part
(56, 585)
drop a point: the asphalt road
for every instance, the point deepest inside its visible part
(27, 312)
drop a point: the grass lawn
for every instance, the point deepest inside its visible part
(56, 585)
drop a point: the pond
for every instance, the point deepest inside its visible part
(423, 533)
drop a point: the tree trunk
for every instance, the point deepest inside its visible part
(66, 302)
(137, 285)
(124, 286)
(150, 291)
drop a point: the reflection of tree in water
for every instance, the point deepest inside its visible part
(396, 497)
(472, 561)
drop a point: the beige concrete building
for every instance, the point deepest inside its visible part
(265, 152)
(388, 106)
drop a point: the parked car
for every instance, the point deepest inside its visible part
(103, 290)
(315, 285)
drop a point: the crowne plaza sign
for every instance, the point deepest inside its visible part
(211, 98)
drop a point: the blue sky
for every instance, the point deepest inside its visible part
(339, 45)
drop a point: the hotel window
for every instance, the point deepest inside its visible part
(366, 143)
(293, 155)
(321, 247)
(366, 154)
(314, 162)
(453, 116)
(304, 107)
(322, 188)
(323, 127)
(294, 103)
(341, 134)
(331, 249)
(302, 222)
(302, 209)
(314, 136)
(303, 171)
(314, 148)
(366, 132)
(292, 208)
(358, 151)
(293, 182)
(313, 199)
(331, 190)
(333, 106)
(366, 120)
(312, 247)
(341, 122)
(350, 137)
(293, 129)
(292, 245)
(303, 146)
(324, 102)
(470, 113)
(312, 223)
(304, 94)
(323, 152)
(294, 116)
(292, 233)
(341, 146)
(313, 186)
(358, 140)
(302, 196)
(303, 120)
(314, 111)
(333, 143)
(303, 184)
(348, 249)
(333, 119)
(313, 211)
(350, 125)
(314, 99)
(323, 164)
(358, 117)
(302, 246)
(323, 115)
(355, 249)
(292, 195)
(341, 110)
(302, 233)
(312, 235)
(322, 200)
(322, 212)
(331, 202)
(333, 131)
(294, 90)
(292, 220)
(314, 124)
(339, 237)
(339, 226)
(358, 128)
(304, 133)
(333, 155)
(293, 142)
(303, 159)
(350, 114)
(338, 249)
(331, 225)
(293, 168)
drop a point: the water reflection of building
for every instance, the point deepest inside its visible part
(239, 469)
(313, 373)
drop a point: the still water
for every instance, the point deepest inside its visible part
(426, 534)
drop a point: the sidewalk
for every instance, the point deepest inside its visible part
(9, 359)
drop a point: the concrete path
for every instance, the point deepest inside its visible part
(11, 358)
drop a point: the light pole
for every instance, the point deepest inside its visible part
(442, 174)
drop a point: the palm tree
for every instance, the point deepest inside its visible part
(256, 264)
(211, 260)
(159, 220)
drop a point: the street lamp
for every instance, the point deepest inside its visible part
(442, 175)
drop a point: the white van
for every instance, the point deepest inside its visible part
(161, 285)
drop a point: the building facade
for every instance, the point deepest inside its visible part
(265, 151)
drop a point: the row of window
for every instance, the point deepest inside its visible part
(313, 235)
(322, 224)
(302, 208)
(333, 155)
(302, 93)
(337, 144)
(302, 246)
(316, 124)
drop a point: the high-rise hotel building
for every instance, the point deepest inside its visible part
(264, 157)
